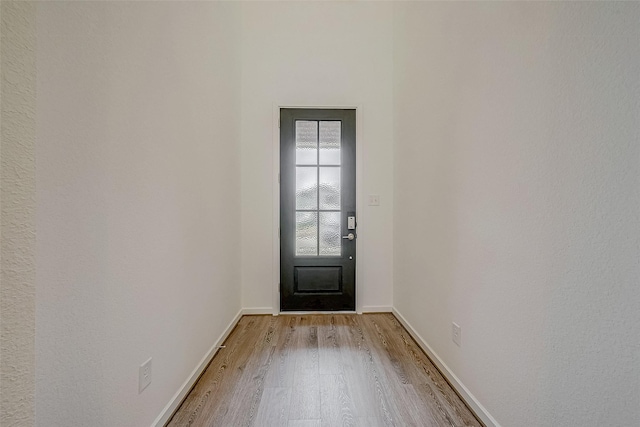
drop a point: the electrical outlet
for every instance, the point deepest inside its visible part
(144, 375)
(456, 334)
(374, 200)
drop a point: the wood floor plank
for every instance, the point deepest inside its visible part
(282, 370)
(250, 384)
(368, 422)
(393, 372)
(209, 391)
(328, 347)
(353, 366)
(305, 401)
(304, 423)
(322, 370)
(418, 412)
(274, 407)
(240, 407)
(381, 406)
(336, 404)
(456, 412)
(424, 380)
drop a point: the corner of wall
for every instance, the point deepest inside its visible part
(17, 204)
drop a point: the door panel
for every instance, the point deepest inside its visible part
(317, 194)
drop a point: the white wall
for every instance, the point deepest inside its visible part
(137, 202)
(517, 179)
(17, 202)
(316, 54)
(513, 208)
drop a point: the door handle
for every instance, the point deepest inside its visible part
(349, 236)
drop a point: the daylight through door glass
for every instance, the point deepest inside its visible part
(318, 191)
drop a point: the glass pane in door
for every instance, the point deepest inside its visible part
(306, 233)
(306, 142)
(330, 240)
(330, 188)
(306, 188)
(318, 193)
(330, 133)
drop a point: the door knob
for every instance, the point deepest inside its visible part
(349, 236)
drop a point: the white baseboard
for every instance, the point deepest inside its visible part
(177, 399)
(256, 310)
(377, 309)
(269, 310)
(308, 313)
(463, 391)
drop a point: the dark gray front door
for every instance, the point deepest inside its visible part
(317, 209)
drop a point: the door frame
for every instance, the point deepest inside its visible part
(275, 274)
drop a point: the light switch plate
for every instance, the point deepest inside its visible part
(144, 375)
(374, 200)
(456, 334)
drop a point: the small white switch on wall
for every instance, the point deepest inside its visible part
(456, 334)
(144, 375)
(374, 200)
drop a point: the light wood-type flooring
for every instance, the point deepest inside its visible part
(322, 370)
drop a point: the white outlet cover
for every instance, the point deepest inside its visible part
(374, 200)
(144, 375)
(456, 334)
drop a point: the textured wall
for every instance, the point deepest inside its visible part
(317, 54)
(517, 185)
(17, 204)
(138, 199)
